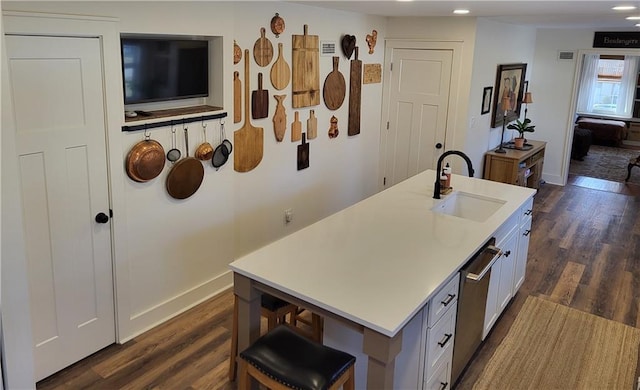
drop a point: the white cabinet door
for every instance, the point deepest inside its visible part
(57, 94)
(507, 265)
(523, 253)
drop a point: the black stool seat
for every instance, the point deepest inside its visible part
(272, 303)
(295, 361)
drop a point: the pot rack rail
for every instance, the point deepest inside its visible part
(172, 122)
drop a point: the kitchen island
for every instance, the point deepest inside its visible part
(373, 267)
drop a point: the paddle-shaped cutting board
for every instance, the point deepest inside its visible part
(355, 82)
(248, 140)
(334, 88)
(237, 97)
(312, 125)
(296, 127)
(303, 154)
(279, 118)
(280, 72)
(260, 101)
(305, 79)
(263, 49)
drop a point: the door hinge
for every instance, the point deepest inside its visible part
(110, 213)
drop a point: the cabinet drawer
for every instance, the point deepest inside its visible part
(444, 299)
(440, 340)
(440, 378)
(526, 210)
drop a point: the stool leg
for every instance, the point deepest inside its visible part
(244, 380)
(628, 172)
(317, 326)
(350, 384)
(234, 342)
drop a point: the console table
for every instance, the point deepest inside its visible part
(519, 167)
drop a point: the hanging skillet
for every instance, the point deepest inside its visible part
(223, 150)
(186, 175)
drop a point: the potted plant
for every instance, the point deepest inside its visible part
(521, 128)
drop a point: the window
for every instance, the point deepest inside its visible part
(607, 85)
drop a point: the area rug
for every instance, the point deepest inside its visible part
(606, 162)
(550, 346)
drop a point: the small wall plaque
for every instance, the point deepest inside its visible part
(372, 74)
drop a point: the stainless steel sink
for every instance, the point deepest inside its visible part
(468, 206)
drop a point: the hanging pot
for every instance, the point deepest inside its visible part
(223, 150)
(186, 175)
(145, 160)
(205, 150)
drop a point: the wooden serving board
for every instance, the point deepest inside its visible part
(355, 82)
(305, 78)
(237, 97)
(312, 125)
(260, 101)
(334, 88)
(280, 118)
(296, 127)
(280, 72)
(303, 154)
(263, 49)
(248, 140)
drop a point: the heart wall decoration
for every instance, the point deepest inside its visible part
(348, 45)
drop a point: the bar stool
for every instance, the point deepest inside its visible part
(274, 309)
(283, 359)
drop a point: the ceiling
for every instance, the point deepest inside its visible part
(539, 13)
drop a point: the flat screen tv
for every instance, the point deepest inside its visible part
(160, 69)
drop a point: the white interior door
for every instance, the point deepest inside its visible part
(57, 92)
(418, 103)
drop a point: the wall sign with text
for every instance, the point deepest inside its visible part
(617, 39)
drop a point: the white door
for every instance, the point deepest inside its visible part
(57, 91)
(418, 106)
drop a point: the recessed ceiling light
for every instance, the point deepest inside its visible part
(623, 8)
(461, 11)
(633, 17)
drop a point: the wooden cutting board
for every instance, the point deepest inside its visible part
(260, 101)
(263, 49)
(280, 118)
(312, 125)
(296, 127)
(280, 72)
(248, 140)
(237, 97)
(334, 88)
(303, 154)
(305, 71)
(355, 82)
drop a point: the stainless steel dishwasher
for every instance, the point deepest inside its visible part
(472, 299)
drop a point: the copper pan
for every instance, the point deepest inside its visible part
(145, 160)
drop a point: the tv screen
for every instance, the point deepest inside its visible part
(159, 69)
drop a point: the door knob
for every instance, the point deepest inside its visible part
(438, 145)
(102, 218)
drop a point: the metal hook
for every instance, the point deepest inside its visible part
(147, 135)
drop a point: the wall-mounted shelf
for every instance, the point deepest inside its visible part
(188, 115)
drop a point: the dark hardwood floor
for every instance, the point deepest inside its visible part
(584, 253)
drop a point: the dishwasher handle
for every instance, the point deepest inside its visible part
(491, 249)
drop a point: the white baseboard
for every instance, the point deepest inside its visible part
(156, 315)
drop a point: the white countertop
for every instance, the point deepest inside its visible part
(378, 262)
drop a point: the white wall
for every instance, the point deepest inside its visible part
(496, 44)
(172, 254)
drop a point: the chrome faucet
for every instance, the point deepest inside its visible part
(436, 187)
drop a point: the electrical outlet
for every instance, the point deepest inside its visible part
(288, 215)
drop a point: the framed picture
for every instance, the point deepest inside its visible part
(510, 87)
(526, 88)
(486, 100)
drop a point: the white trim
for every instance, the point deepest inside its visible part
(28, 14)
